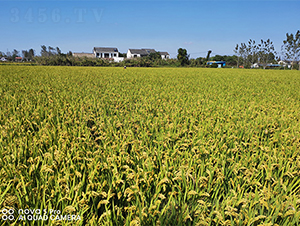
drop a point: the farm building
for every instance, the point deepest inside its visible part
(134, 53)
(273, 65)
(112, 53)
(164, 55)
(285, 63)
(88, 55)
(257, 65)
(18, 58)
(106, 52)
(149, 51)
(219, 63)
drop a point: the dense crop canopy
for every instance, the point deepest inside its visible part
(146, 146)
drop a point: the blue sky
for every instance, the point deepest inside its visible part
(166, 25)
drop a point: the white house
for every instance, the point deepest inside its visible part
(134, 53)
(284, 63)
(108, 53)
(105, 52)
(255, 65)
(3, 59)
(164, 55)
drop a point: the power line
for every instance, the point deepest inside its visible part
(193, 53)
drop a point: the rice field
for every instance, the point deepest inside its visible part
(150, 146)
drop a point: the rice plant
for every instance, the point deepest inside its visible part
(150, 146)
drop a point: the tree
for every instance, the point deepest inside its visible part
(9, 56)
(51, 50)
(251, 53)
(44, 51)
(183, 57)
(266, 52)
(122, 54)
(236, 50)
(31, 54)
(253, 49)
(291, 47)
(231, 60)
(25, 54)
(154, 56)
(15, 54)
(197, 62)
(58, 51)
(242, 52)
(218, 58)
(200, 61)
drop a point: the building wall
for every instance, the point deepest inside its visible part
(89, 55)
(106, 54)
(130, 55)
(165, 56)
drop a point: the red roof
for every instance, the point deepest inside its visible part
(18, 58)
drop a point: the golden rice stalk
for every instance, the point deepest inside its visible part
(102, 202)
(161, 196)
(289, 213)
(69, 209)
(193, 192)
(260, 217)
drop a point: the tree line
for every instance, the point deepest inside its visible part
(28, 55)
(54, 56)
(246, 54)
(250, 53)
(264, 53)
